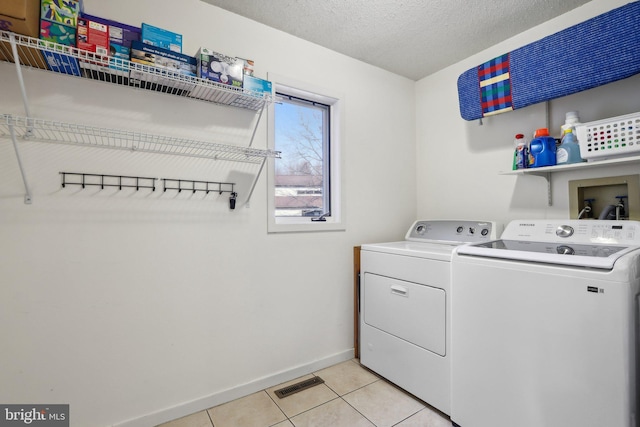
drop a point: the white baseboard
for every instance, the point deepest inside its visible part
(228, 395)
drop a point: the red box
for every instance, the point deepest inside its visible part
(92, 36)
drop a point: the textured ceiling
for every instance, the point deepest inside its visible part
(412, 38)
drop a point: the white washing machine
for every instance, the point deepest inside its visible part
(545, 326)
(405, 309)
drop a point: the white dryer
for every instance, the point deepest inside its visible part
(545, 326)
(405, 309)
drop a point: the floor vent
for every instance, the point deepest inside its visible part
(302, 385)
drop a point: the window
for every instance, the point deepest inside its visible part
(304, 185)
(302, 176)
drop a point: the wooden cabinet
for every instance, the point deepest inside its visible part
(356, 301)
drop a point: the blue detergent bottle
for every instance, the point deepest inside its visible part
(569, 149)
(542, 149)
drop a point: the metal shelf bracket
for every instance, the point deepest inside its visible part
(27, 196)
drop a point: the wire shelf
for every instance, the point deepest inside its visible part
(36, 53)
(74, 134)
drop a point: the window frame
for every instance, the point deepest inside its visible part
(334, 222)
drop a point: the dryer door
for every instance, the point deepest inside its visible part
(409, 311)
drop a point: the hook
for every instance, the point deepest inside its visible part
(232, 200)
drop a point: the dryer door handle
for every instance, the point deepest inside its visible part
(399, 290)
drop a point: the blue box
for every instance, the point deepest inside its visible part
(167, 64)
(160, 37)
(61, 63)
(259, 86)
(142, 53)
(120, 56)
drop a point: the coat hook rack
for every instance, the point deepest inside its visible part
(138, 182)
(193, 186)
(102, 181)
(206, 186)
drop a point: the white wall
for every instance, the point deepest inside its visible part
(468, 157)
(146, 306)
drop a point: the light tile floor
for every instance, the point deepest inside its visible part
(351, 396)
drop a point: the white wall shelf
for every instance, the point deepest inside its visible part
(547, 171)
(34, 53)
(67, 133)
(573, 166)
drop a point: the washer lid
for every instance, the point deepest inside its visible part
(581, 255)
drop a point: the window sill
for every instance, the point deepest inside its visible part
(308, 226)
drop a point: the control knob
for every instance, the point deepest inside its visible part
(564, 231)
(565, 250)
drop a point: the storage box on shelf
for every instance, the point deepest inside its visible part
(21, 17)
(120, 38)
(65, 12)
(159, 37)
(119, 33)
(257, 85)
(58, 24)
(92, 36)
(610, 138)
(221, 68)
(173, 62)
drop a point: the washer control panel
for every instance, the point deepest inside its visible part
(453, 231)
(574, 231)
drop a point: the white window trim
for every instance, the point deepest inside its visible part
(335, 222)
